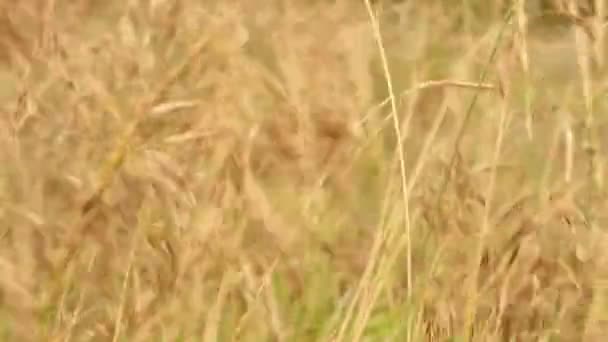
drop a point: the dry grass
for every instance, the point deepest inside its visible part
(295, 171)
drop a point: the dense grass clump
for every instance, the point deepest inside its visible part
(303, 171)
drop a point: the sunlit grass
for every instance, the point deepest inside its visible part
(291, 171)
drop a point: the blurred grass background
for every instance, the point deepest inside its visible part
(231, 170)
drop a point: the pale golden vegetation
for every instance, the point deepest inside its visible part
(302, 171)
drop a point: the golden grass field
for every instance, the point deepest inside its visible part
(303, 171)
